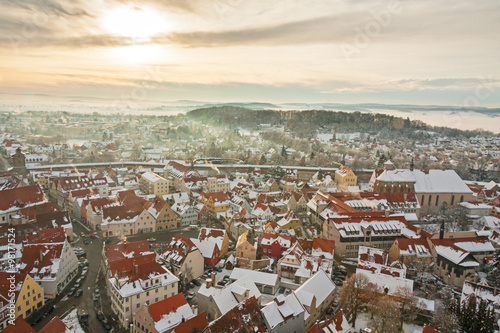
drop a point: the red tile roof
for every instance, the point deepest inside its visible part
(30, 212)
(37, 258)
(56, 325)
(324, 245)
(54, 235)
(208, 232)
(428, 329)
(5, 286)
(21, 197)
(165, 306)
(52, 219)
(126, 250)
(244, 317)
(136, 268)
(19, 326)
(198, 322)
(78, 183)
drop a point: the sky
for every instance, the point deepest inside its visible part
(443, 52)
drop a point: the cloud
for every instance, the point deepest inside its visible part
(440, 84)
(49, 6)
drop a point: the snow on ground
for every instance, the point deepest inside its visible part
(72, 323)
(363, 321)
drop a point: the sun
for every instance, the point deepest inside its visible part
(135, 22)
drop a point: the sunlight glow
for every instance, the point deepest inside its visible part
(138, 54)
(135, 22)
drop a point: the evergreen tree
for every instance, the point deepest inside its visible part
(284, 154)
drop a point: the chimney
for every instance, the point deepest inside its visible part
(208, 283)
(213, 278)
(412, 165)
(387, 213)
(136, 268)
(441, 230)
(41, 255)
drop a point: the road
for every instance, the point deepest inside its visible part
(85, 301)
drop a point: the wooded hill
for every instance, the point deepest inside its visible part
(306, 124)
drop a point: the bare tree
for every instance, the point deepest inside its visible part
(387, 315)
(356, 292)
(408, 304)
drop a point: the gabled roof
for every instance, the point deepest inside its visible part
(53, 235)
(127, 250)
(136, 268)
(170, 312)
(19, 326)
(21, 197)
(323, 247)
(53, 219)
(6, 286)
(78, 183)
(319, 286)
(157, 206)
(41, 260)
(428, 329)
(245, 317)
(30, 212)
(199, 322)
(56, 325)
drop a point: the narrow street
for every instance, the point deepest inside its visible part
(95, 278)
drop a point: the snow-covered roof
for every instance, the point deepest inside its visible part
(261, 278)
(280, 309)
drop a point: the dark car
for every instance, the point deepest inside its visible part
(96, 303)
(196, 283)
(78, 293)
(51, 309)
(106, 324)
(86, 241)
(100, 316)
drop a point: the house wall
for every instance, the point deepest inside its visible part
(126, 307)
(143, 322)
(30, 298)
(246, 250)
(193, 266)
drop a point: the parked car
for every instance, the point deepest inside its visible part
(106, 324)
(221, 283)
(196, 283)
(86, 241)
(151, 239)
(189, 297)
(100, 316)
(97, 293)
(78, 293)
(77, 285)
(71, 291)
(50, 310)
